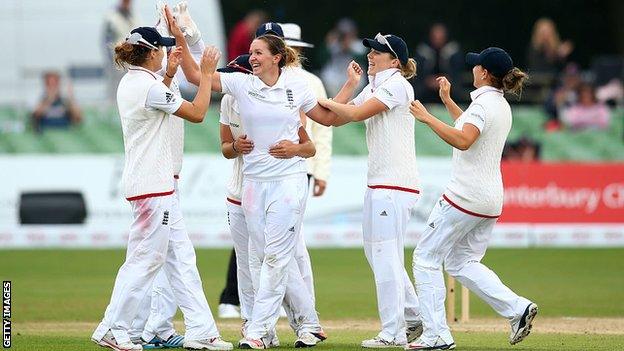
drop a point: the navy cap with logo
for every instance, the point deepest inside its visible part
(496, 60)
(149, 37)
(270, 28)
(389, 43)
(239, 64)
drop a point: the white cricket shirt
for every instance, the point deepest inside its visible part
(145, 105)
(270, 114)
(476, 185)
(390, 134)
(230, 116)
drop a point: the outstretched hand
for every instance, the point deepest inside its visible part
(210, 59)
(174, 58)
(418, 110)
(354, 72)
(445, 88)
(174, 28)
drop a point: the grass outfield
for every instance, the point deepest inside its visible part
(60, 295)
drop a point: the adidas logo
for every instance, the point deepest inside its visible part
(383, 213)
(432, 225)
(165, 220)
(169, 97)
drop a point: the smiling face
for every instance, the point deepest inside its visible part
(261, 59)
(380, 61)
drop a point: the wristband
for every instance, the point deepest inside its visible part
(234, 147)
(167, 74)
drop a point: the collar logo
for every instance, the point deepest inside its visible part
(256, 95)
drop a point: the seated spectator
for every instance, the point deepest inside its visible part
(547, 53)
(588, 112)
(243, 33)
(54, 110)
(525, 150)
(562, 96)
(437, 57)
(341, 46)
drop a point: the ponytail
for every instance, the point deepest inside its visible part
(291, 58)
(409, 70)
(126, 53)
(512, 82)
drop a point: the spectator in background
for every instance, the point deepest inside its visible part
(55, 110)
(588, 112)
(525, 150)
(342, 46)
(562, 96)
(243, 33)
(117, 26)
(437, 57)
(547, 53)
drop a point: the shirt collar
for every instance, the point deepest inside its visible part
(484, 89)
(133, 68)
(381, 77)
(280, 84)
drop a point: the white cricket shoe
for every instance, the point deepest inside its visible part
(208, 344)
(414, 331)
(379, 343)
(109, 341)
(253, 344)
(439, 344)
(161, 22)
(307, 339)
(521, 325)
(227, 311)
(186, 23)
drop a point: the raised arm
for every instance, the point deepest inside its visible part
(196, 110)
(191, 70)
(321, 114)
(459, 139)
(445, 96)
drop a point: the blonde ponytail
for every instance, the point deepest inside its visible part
(409, 70)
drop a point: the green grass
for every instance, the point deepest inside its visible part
(69, 286)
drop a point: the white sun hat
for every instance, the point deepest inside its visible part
(292, 36)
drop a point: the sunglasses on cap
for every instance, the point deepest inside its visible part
(381, 39)
(235, 65)
(137, 39)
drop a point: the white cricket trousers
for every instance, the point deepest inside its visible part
(459, 241)
(386, 213)
(157, 239)
(273, 211)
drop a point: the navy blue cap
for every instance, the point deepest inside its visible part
(389, 43)
(270, 28)
(150, 36)
(496, 60)
(240, 64)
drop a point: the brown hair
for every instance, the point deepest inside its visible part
(512, 82)
(276, 45)
(126, 53)
(408, 70)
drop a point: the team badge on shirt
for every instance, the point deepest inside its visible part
(290, 98)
